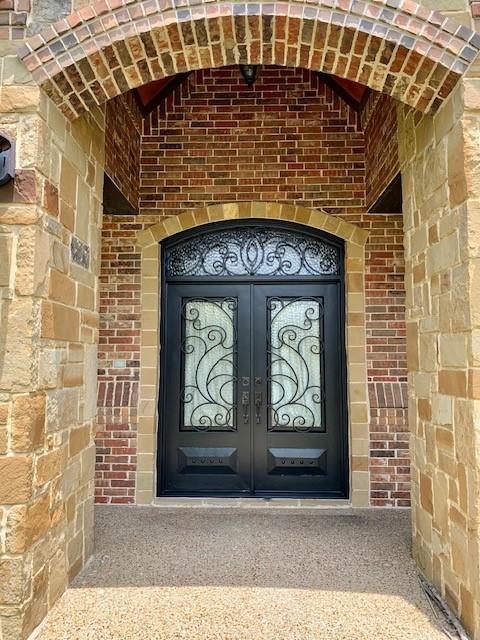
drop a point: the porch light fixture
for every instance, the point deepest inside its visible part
(249, 73)
(7, 159)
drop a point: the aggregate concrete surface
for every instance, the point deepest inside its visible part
(213, 573)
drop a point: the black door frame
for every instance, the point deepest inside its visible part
(338, 279)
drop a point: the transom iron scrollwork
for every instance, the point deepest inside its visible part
(253, 251)
(209, 348)
(295, 351)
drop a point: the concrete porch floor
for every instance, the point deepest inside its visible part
(244, 574)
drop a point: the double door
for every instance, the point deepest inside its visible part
(252, 384)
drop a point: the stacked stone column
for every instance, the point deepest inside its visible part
(440, 157)
(50, 218)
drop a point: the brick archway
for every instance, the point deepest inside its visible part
(400, 48)
(358, 408)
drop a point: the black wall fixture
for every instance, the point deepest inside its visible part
(7, 159)
(249, 73)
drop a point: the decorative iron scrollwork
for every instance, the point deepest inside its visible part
(295, 380)
(209, 348)
(253, 251)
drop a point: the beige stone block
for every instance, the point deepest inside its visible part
(428, 352)
(426, 495)
(48, 466)
(360, 481)
(57, 580)
(6, 245)
(146, 424)
(60, 322)
(444, 439)
(459, 552)
(360, 499)
(145, 463)
(359, 412)
(68, 183)
(145, 238)
(452, 383)
(19, 99)
(18, 214)
(359, 463)
(360, 447)
(16, 474)
(355, 320)
(3, 440)
(474, 384)
(150, 269)
(145, 482)
(442, 410)
(357, 392)
(151, 252)
(148, 376)
(12, 581)
(149, 356)
(33, 258)
(82, 210)
(17, 330)
(424, 409)
(440, 503)
(456, 168)
(38, 519)
(90, 384)
(355, 303)
(62, 288)
(355, 282)
(85, 297)
(79, 439)
(172, 225)
(150, 286)
(150, 320)
(16, 530)
(144, 497)
(453, 351)
(150, 301)
(28, 422)
(412, 346)
(469, 609)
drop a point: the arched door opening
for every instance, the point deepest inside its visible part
(252, 396)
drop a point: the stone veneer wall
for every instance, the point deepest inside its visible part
(50, 219)
(294, 142)
(440, 158)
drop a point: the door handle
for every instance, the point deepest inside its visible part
(245, 405)
(258, 405)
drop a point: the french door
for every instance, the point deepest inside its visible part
(252, 383)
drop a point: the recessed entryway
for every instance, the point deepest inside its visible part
(253, 363)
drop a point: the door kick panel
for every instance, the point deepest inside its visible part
(289, 461)
(207, 460)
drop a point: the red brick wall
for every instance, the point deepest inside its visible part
(122, 145)
(118, 361)
(379, 122)
(13, 18)
(289, 139)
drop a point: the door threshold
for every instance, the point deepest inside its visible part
(253, 503)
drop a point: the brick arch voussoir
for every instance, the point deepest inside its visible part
(411, 53)
(314, 218)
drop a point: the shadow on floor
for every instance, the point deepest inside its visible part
(146, 546)
(245, 574)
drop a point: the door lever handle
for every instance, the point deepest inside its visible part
(245, 405)
(258, 405)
